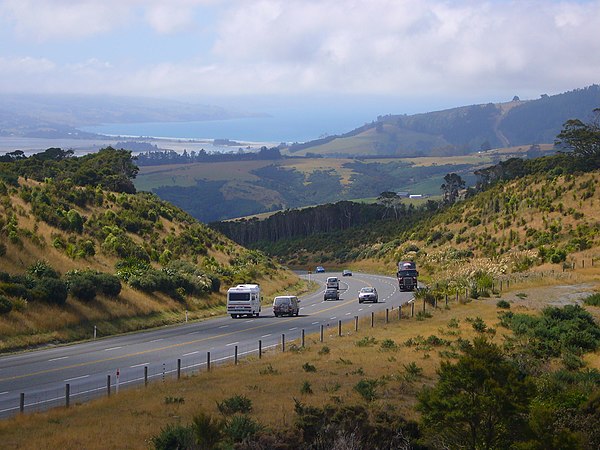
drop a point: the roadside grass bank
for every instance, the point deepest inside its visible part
(396, 359)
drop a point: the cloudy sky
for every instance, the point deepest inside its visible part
(429, 51)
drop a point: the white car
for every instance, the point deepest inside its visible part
(368, 294)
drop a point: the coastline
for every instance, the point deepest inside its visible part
(90, 145)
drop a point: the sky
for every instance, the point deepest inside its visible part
(425, 53)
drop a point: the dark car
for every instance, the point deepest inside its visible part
(320, 269)
(286, 305)
(347, 273)
(331, 294)
(368, 294)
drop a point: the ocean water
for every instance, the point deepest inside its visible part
(275, 127)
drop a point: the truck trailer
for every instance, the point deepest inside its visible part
(243, 300)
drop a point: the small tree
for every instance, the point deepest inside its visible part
(451, 187)
(479, 402)
(583, 139)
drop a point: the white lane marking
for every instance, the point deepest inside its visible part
(77, 378)
(348, 314)
(193, 332)
(331, 318)
(266, 335)
(191, 353)
(249, 321)
(57, 359)
(315, 323)
(157, 340)
(232, 343)
(292, 329)
(138, 365)
(223, 326)
(360, 309)
(3, 393)
(111, 348)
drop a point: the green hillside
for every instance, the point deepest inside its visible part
(463, 130)
(78, 247)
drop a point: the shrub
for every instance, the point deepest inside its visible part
(240, 428)
(388, 344)
(366, 389)
(50, 290)
(366, 341)
(503, 304)
(174, 436)
(422, 315)
(306, 388)
(412, 371)
(309, 367)
(42, 269)
(235, 404)
(324, 350)
(82, 285)
(6, 305)
(108, 284)
(592, 300)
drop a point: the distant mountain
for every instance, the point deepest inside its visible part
(61, 115)
(462, 130)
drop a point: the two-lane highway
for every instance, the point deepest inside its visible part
(42, 375)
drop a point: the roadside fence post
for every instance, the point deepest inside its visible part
(339, 327)
(423, 304)
(108, 385)
(282, 342)
(95, 331)
(22, 403)
(321, 334)
(145, 375)
(355, 323)
(400, 312)
(67, 395)
(387, 315)
(178, 368)
(412, 309)
(235, 355)
(208, 361)
(372, 319)
(302, 345)
(447, 298)
(500, 285)
(259, 349)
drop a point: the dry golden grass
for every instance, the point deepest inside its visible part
(131, 418)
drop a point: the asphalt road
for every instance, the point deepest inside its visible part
(39, 378)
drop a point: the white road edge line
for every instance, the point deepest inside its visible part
(58, 359)
(138, 365)
(191, 353)
(112, 348)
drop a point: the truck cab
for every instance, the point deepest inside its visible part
(407, 275)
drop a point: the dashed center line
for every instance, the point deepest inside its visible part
(138, 365)
(157, 340)
(223, 326)
(265, 335)
(111, 348)
(58, 359)
(191, 353)
(232, 343)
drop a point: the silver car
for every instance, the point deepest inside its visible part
(368, 294)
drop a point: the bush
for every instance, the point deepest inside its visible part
(108, 284)
(82, 285)
(366, 389)
(592, 300)
(241, 427)
(235, 404)
(309, 367)
(503, 304)
(388, 344)
(50, 290)
(6, 305)
(174, 436)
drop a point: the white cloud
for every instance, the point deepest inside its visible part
(409, 47)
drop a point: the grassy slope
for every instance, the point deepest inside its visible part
(40, 323)
(99, 424)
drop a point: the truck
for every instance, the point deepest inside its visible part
(244, 300)
(407, 275)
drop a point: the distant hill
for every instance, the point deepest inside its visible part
(462, 130)
(53, 116)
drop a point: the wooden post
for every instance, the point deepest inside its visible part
(67, 395)
(321, 333)
(22, 403)
(355, 323)
(208, 361)
(400, 312)
(302, 337)
(259, 349)
(372, 319)
(387, 315)
(145, 376)
(339, 327)
(282, 342)
(235, 355)
(108, 385)
(446, 299)
(412, 309)
(178, 368)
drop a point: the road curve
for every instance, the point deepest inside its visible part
(39, 378)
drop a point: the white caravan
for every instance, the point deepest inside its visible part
(243, 300)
